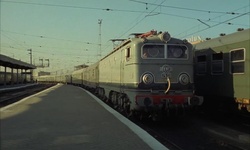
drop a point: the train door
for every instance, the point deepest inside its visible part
(125, 57)
(122, 71)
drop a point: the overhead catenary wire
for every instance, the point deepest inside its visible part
(137, 22)
(47, 37)
(75, 7)
(203, 21)
(131, 11)
(140, 20)
(146, 12)
(184, 8)
(216, 24)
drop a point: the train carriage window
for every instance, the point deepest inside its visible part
(201, 67)
(217, 66)
(177, 51)
(237, 61)
(153, 51)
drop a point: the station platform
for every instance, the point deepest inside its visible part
(66, 117)
(15, 87)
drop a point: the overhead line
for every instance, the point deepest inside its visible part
(41, 36)
(77, 7)
(217, 24)
(141, 19)
(184, 8)
(211, 20)
(54, 5)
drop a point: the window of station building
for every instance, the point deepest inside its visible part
(177, 52)
(153, 51)
(237, 58)
(201, 66)
(217, 64)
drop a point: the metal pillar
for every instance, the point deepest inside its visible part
(5, 75)
(100, 37)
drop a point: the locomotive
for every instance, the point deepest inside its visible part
(222, 71)
(149, 75)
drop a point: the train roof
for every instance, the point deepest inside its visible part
(78, 71)
(13, 63)
(152, 35)
(224, 40)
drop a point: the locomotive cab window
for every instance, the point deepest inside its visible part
(237, 58)
(153, 51)
(127, 52)
(177, 52)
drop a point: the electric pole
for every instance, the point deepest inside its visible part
(100, 37)
(30, 55)
(31, 70)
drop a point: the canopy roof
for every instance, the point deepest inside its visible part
(13, 63)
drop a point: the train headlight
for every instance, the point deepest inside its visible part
(165, 36)
(147, 78)
(184, 79)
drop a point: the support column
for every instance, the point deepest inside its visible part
(12, 77)
(5, 75)
(25, 77)
(17, 76)
(21, 76)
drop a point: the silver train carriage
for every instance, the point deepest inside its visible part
(150, 73)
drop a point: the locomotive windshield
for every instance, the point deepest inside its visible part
(177, 51)
(153, 51)
(161, 51)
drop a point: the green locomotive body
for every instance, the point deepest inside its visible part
(149, 74)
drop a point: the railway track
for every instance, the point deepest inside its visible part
(11, 95)
(200, 131)
(195, 133)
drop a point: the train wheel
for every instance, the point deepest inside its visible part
(123, 105)
(101, 93)
(114, 99)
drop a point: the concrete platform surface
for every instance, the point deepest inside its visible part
(65, 117)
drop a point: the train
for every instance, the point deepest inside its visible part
(147, 75)
(222, 71)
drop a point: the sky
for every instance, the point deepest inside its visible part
(69, 32)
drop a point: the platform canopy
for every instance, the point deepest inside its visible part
(13, 63)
